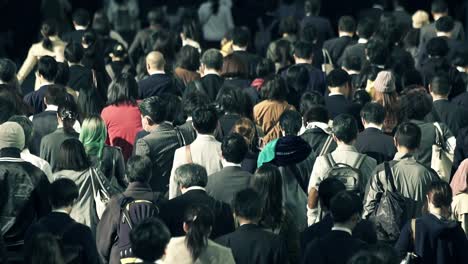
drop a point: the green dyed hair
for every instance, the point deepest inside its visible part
(93, 135)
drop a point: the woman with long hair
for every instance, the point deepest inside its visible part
(109, 160)
(187, 64)
(195, 246)
(386, 95)
(50, 45)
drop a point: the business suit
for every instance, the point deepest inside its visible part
(35, 99)
(336, 247)
(174, 210)
(336, 47)
(156, 85)
(454, 116)
(210, 83)
(337, 104)
(323, 26)
(80, 78)
(224, 184)
(50, 145)
(250, 244)
(373, 142)
(358, 50)
(74, 36)
(429, 31)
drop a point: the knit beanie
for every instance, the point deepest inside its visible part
(284, 151)
(11, 136)
(385, 82)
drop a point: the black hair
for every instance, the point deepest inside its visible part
(303, 50)
(364, 257)
(27, 126)
(174, 112)
(55, 95)
(309, 33)
(440, 194)
(353, 63)
(316, 113)
(347, 24)
(62, 193)
(297, 78)
(212, 59)
(119, 51)
(193, 100)
(288, 25)
(440, 85)
(155, 108)
(267, 181)
(415, 105)
(345, 128)
(205, 119)
(439, 6)
(290, 122)
(282, 53)
(48, 29)
(275, 89)
(74, 52)
(81, 17)
(373, 113)
(361, 97)
(247, 204)
(408, 135)
(234, 66)
(139, 169)
(123, 90)
(234, 148)
(437, 47)
(164, 42)
(47, 67)
(240, 36)
(68, 112)
(63, 73)
(101, 25)
(445, 24)
(337, 78)
(329, 188)
(345, 205)
(72, 156)
(312, 6)
(199, 219)
(412, 77)
(191, 29)
(309, 99)
(7, 109)
(215, 6)
(265, 68)
(188, 58)
(89, 102)
(7, 70)
(149, 239)
(366, 28)
(376, 51)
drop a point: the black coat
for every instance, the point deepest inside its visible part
(173, 213)
(224, 184)
(323, 26)
(336, 47)
(250, 244)
(376, 144)
(210, 83)
(188, 132)
(44, 123)
(156, 85)
(437, 241)
(454, 116)
(50, 145)
(336, 105)
(358, 50)
(316, 138)
(250, 60)
(35, 99)
(80, 78)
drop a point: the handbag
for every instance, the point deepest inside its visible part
(327, 65)
(411, 257)
(442, 159)
(101, 191)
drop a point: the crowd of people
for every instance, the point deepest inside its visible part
(197, 140)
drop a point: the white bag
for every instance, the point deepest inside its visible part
(100, 191)
(327, 65)
(442, 159)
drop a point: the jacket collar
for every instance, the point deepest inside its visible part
(400, 156)
(164, 126)
(138, 186)
(201, 137)
(248, 227)
(343, 147)
(10, 153)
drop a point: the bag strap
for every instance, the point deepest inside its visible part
(359, 161)
(389, 176)
(330, 160)
(199, 86)
(188, 154)
(110, 71)
(413, 231)
(272, 127)
(180, 137)
(439, 135)
(326, 145)
(326, 57)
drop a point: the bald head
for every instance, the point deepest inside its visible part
(155, 61)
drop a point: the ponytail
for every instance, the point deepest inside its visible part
(68, 114)
(48, 28)
(199, 220)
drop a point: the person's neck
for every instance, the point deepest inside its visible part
(440, 212)
(242, 221)
(340, 143)
(348, 225)
(116, 59)
(303, 61)
(210, 71)
(345, 34)
(237, 48)
(436, 16)
(436, 97)
(65, 210)
(44, 82)
(444, 34)
(363, 40)
(336, 90)
(156, 71)
(151, 128)
(404, 150)
(350, 72)
(372, 125)
(78, 27)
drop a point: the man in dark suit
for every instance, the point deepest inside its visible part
(223, 184)
(240, 42)
(322, 24)
(336, 46)
(338, 246)
(192, 179)
(158, 82)
(81, 20)
(211, 64)
(337, 100)
(80, 77)
(365, 30)
(454, 116)
(160, 144)
(250, 243)
(372, 141)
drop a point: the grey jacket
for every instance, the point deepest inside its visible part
(412, 180)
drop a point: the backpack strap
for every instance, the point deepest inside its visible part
(413, 231)
(199, 86)
(180, 136)
(331, 162)
(110, 71)
(359, 161)
(389, 176)
(188, 154)
(326, 145)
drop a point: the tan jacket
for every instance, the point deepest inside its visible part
(267, 114)
(460, 210)
(36, 52)
(178, 253)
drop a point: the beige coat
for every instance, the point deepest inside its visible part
(460, 210)
(178, 253)
(267, 114)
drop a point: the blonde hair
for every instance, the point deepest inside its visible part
(246, 128)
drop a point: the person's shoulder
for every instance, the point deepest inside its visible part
(217, 247)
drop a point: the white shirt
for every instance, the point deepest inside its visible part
(344, 229)
(229, 164)
(38, 162)
(371, 125)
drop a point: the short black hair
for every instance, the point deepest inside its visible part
(240, 36)
(445, 24)
(312, 6)
(440, 85)
(377, 51)
(345, 205)
(234, 148)
(47, 67)
(81, 17)
(62, 193)
(7, 70)
(309, 99)
(205, 119)
(288, 25)
(247, 204)
(290, 122)
(155, 108)
(275, 89)
(193, 100)
(412, 77)
(309, 33)
(437, 47)
(149, 239)
(139, 169)
(439, 6)
(347, 24)
(366, 28)
(303, 50)
(7, 109)
(352, 62)
(415, 105)
(212, 59)
(408, 135)
(265, 68)
(329, 188)
(55, 94)
(373, 113)
(74, 52)
(337, 78)
(63, 73)
(316, 113)
(345, 128)
(156, 17)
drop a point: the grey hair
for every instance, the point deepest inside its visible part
(189, 175)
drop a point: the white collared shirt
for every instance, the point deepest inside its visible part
(362, 41)
(38, 162)
(344, 229)
(372, 125)
(332, 94)
(229, 164)
(195, 188)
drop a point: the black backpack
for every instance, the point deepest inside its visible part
(132, 212)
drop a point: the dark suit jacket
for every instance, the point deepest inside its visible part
(317, 80)
(224, 184)
(251, 61)
(75, 234)
(157, 84)
(80, 78)
(454, 116)
(43, 124)
(374, 141)
(337, 247)
(173, 213)
(358, 50)
(35, 99)
(336, 105)
(226, 123)
(74, 36)
(336, 47)
(188, 132)
(250, 244)
(211, 84)
(50, 145)
(316, 138)
(429, 31)
(323, 26)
